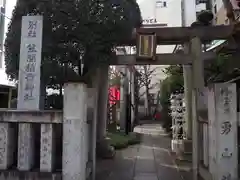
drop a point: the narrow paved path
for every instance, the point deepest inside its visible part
(151, 160)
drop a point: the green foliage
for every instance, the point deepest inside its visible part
(224, 68)
(165, 91)
(174, 80)
(54, 101)
(120, 140)
(73, 31)
(116, 81)
(173, 83)
(114, 78)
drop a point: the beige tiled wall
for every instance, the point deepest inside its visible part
(220, 18)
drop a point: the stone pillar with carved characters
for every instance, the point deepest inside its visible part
(6, 145)
(223, 162)
(29, 86)
(47, 151)
(26, 148)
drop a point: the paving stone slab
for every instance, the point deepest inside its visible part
(145, 166)
(146, 176)
(151, 160)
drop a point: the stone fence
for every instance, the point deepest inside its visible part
(37, 145)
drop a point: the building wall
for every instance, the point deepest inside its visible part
(216, 5)
(220, 13)
(220, 17)
(163, 13)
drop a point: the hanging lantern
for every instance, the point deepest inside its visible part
(146, 46)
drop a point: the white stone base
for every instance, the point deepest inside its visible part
(177, 146)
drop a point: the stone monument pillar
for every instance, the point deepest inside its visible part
(29, 85)
(74, 131)
(223, 135)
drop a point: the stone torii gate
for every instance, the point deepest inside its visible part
(193, 37)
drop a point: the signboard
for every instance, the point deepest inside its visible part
(146, 46)
(150, 21)
(30, 62)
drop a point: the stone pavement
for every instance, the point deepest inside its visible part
(151, 160)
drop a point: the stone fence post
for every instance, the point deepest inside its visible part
(223, 135)
(74, 126)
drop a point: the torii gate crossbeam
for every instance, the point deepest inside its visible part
(180, 35)
(161, 59)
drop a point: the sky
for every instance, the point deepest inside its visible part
(9, 8)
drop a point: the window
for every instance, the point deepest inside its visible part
(2, 10)
(215, 9)
(161, 4)
(164, 4)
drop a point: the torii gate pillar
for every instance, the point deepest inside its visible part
(197, 101)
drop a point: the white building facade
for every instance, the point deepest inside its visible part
(161, 13)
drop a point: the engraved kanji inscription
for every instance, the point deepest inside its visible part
(226, 127)
(32, 26)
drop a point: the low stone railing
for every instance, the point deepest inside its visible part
(31, 145)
